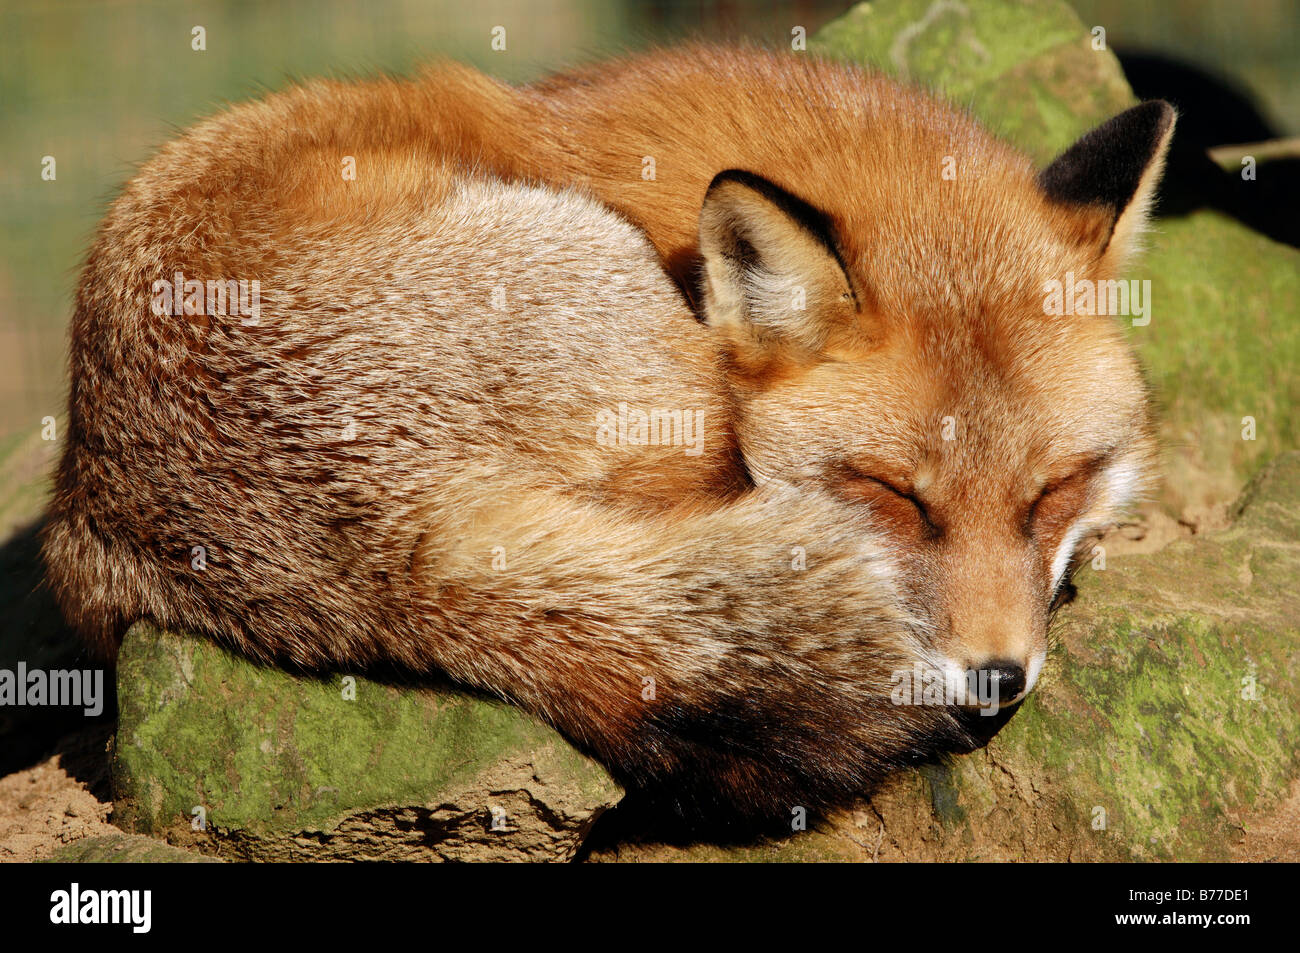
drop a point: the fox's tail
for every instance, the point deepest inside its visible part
(737, 658)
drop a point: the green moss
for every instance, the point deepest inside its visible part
(262, 750)
(945, 799)
(125, 849)
(1223, 344)
(1027, 69)
(1183, 745)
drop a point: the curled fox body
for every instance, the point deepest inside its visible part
(474, 427)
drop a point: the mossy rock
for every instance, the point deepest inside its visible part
(1221, 353)
(272, 766)
(126, 849)
(1027, 68)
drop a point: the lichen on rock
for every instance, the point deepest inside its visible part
(217, 753)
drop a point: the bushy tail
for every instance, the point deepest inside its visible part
(100, 585)
(735, 659)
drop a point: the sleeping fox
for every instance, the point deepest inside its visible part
(372, 374)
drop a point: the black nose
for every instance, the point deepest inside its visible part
(1001, 679)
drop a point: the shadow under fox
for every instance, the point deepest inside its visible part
(433, 443)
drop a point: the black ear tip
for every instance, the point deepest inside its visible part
(1159, 114)
(1108, 163)
(1145, 122)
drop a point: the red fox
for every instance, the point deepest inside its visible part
(367, 374)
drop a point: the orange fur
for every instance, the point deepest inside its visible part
(883, 392)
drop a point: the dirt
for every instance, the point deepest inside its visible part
(1272, 836)
(1152, 529)
(58, 801)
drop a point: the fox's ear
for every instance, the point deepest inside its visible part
(773, 278)
(1115, 168)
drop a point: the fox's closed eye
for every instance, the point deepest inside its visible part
(1057, 506)
(893, 502)
(1062, 501)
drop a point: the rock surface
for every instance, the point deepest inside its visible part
(276, 767)
(122, 848)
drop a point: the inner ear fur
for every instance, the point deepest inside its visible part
(773, 276)
(1115, 169)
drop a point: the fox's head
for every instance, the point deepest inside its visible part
(905, 347)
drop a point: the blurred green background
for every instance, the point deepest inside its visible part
(99, 85)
